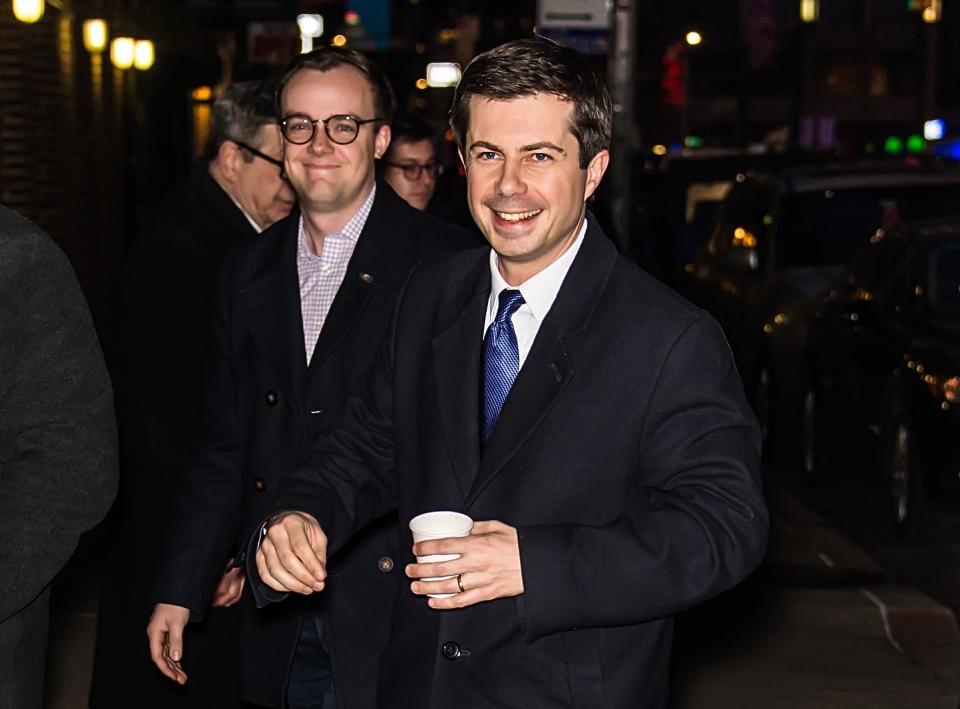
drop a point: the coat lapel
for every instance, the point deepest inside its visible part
(549, 367)
(272, 301)
(456, 352)
(378, 258)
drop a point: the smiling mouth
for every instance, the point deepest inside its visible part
(517, 216)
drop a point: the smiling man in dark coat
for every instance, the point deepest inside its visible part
(298, 317)
(589, 419)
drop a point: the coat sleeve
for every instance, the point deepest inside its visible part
(350, 479)
(58, 448)
(206, 508)
(696, 525)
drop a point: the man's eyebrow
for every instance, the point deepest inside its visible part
(484, 144)
(540, 146)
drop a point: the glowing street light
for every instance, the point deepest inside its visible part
(932, 12)
(694, 38)
(339, 40)
(28, 11)
(443, 74)
(311, 27)
(95, 35)
(122, 52)
(809, 10)
(143, 54)
(934, 129)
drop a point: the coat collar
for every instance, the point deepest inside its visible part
(381, 257)
(549, 367)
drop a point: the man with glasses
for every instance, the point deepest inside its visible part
(169, 283)
(298, 318)
(410, 163)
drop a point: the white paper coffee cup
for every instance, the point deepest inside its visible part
(439, 525)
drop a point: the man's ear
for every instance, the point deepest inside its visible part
(595, 170)
(381, 141)
(229, 157)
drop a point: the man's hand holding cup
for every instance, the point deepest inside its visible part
(460, 563)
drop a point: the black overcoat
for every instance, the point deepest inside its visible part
(263, 405)
(625, 455)
(169, 280)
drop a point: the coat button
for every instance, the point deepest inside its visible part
(366, 278)
(259, 484)
(272, 398)
(450, 650)
(385, 564)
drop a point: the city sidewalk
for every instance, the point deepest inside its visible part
(817, 626)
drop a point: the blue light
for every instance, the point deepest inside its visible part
(948, 149)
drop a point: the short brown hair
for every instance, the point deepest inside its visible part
(526, 67)
(327, 58)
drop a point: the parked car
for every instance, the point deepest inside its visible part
(778, 244)
(883, 366)
(675, 200)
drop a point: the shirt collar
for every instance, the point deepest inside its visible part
(540, 290)
(351, 230)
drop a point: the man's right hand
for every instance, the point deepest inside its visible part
(165, 632)
(293, 554)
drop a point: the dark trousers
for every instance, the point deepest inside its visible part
(23, 650)
(311, 676)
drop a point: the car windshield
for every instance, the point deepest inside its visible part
(943, 281)
(827, 227)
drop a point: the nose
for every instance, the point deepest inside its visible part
(321, 142)
(510, 182)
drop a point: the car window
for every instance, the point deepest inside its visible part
(742, 220)
(827, 227)
(943, 281)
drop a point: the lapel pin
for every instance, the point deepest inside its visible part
(366, 278)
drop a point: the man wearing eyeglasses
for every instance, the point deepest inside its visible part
(298, 317)
(168, 292)
(410, 163)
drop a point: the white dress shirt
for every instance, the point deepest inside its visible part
(538, 291)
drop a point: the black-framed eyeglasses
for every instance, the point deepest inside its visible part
(341, 129)
(262, 156)
(413, 170)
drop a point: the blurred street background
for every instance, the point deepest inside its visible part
(788, 165)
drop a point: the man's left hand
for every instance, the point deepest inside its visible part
(488, 567)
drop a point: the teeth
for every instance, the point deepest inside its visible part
(519, 216)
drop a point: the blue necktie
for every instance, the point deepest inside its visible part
(501, 359)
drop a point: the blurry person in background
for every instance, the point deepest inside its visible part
(168, 291)
(410, 164)
(58, 447)
(299, 314)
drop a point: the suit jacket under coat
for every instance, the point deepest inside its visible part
(625, 456)
(263, 406)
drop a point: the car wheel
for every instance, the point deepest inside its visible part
(810, 442)
(903, 475)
